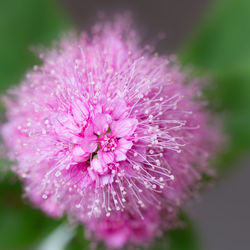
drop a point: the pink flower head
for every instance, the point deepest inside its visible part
(104, 128)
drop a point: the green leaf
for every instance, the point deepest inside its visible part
(21, 225)
(24, 24)
(183, 238)
(220, 49)
(222, 40)
(79, 241)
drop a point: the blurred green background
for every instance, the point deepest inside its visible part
(218, 48)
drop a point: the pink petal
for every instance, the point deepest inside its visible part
(124, 128)
(101, 123)
(105, 179)
(124, 145)
(65, 125)
(89, 130)
(98, 167)
(79, 154)
(75, 139)
(89, 144)
(80, 111)
(120, 156)
(92, 174)
(96, 164)
(105, 157)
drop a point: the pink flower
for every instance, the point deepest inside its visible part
(120, 229)
(105, 128)
(113, 140)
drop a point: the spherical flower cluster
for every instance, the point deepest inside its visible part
(104, 130)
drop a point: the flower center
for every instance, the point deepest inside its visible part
(108, 142)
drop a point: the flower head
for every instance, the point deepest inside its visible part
(105, 127)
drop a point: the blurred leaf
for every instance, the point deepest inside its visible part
(184, 238)
(24, 24)
(222, 41)
(21, 226)
(79, 241)
(220, 48)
